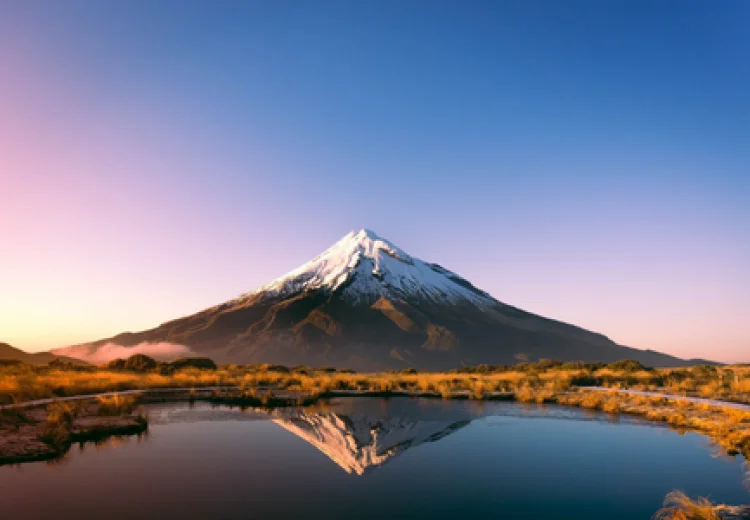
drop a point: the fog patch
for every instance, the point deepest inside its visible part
(97, 355)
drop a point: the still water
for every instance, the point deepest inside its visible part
(375, 459)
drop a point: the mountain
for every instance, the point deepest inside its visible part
(366, 304)
(38, 358)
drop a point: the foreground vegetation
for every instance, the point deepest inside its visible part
(20, 382)
(48, 432)
(543, 382)
(678, 506)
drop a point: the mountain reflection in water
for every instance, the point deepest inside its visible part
(470, 459)
(368, 436)
(361, 434)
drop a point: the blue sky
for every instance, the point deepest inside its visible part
(588, 161)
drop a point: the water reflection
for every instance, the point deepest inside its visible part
(360, 435)
(375, 459)
(363, 438)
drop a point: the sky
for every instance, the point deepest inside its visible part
(584, 160)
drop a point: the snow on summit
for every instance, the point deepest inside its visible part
(367, 267)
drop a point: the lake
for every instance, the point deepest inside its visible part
(371, 458)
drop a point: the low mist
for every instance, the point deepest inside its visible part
(162, 351)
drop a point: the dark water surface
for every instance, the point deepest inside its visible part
(375, 459)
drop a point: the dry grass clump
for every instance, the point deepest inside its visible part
(717, 382)
(611, 405)
(539, 394)
(116, 405)
(60, 417)
(479, 390)
(679, 506)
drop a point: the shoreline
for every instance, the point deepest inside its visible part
(38, 434)
(458, 394)
(25, 445)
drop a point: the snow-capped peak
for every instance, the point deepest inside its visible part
(368, 244)
(366, 267)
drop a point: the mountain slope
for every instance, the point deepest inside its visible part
(366, 304)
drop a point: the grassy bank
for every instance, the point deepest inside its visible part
(48, 432)
(546, 381)
(25, 382)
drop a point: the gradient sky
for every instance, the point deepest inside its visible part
(588, 161)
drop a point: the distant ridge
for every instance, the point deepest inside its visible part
(37, 358)
(366, 304)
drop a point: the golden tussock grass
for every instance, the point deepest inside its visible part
(679, 506)
(116, 405)
(25, 383)
(60, 417)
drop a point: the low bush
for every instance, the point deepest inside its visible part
(628, 365)
(201, 363)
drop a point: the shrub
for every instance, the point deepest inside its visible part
(61, 364)
(135, 363)
(574, 365)
(627, 365)
(140, 363)
(704, 371)
(585, 380)
(281, 369)
(201, 363)
(116, 364)
(547, 364)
